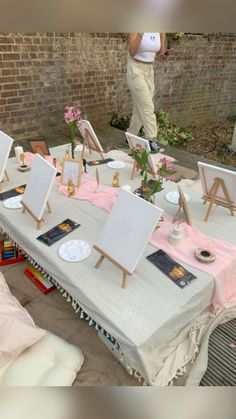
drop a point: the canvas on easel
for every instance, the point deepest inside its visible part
(219, 187)
(5, 148)
(126, 232)
(38, 188)
(136, 142)
(183, 208)
(90, 139)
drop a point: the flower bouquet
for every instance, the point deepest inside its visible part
(72, 116)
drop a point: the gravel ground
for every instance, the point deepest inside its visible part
(212, 140)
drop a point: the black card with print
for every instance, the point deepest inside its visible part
(177, 273)
(58, 232)
(12, 192)
(98, 162)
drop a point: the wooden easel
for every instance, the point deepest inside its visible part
(7, 178)
(39, 222)
(136, 167)
(212, 197)
(90, 143)
(103, 256)
(183, 205)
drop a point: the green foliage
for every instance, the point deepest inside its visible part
(232, 117)
(168, 132)
(171, 133)
(222, 151)
(151, 187)
(174, 36)
(121, 122)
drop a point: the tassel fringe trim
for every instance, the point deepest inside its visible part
(83, 315)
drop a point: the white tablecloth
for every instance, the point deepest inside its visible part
(157, 325)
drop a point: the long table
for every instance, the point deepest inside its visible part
(156, 325)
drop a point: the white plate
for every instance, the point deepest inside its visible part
(14, 202)
(116, 164)
(74, 250)
(173, 197)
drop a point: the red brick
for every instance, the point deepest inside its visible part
(11, 86)
(7, 64)
(7, 79)
(15, 100)
(11, 57)
(10, 72)
(6, 40)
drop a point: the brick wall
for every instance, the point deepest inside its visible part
(198, 81)
(41, 73)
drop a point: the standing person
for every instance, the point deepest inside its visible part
(143, 48)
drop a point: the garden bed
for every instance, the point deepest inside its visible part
(211, 140)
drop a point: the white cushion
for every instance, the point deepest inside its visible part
(30, 356)
(17, 329)
(49, 362)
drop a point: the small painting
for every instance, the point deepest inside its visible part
(40, 147)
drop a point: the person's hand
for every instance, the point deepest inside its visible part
(162, 53)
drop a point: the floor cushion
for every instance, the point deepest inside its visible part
(17, 329)
(30, 356)
(49, 362)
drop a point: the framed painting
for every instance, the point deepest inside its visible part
(71, 170)
(39, 147)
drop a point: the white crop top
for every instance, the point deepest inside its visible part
(150, 44)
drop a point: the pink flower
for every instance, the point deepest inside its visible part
(171, 178)
(166, 162)
(72, 114)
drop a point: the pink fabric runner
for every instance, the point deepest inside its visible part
(104, 198)
(29, 157)
(223, 269)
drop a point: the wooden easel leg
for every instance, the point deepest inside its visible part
(23, 210)
(227, 197)
(39, 224)
(124, 279)
(133, 171)
(6, 175)
(213, 191)
(101, 156)
(99, 262)
(49, 208)
(176, 215)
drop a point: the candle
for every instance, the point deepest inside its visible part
(78, 151)
(18, 151)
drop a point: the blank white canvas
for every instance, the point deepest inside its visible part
(209, 172)
(128, 229)
(137, 142)
(39, 186)
(84, 124)
(5, 148)
(134, 142)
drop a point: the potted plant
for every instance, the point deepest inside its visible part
(149, 187)
(72, 116)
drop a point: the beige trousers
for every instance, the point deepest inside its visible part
(140, 79)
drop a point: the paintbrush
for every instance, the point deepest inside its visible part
(98, 180)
